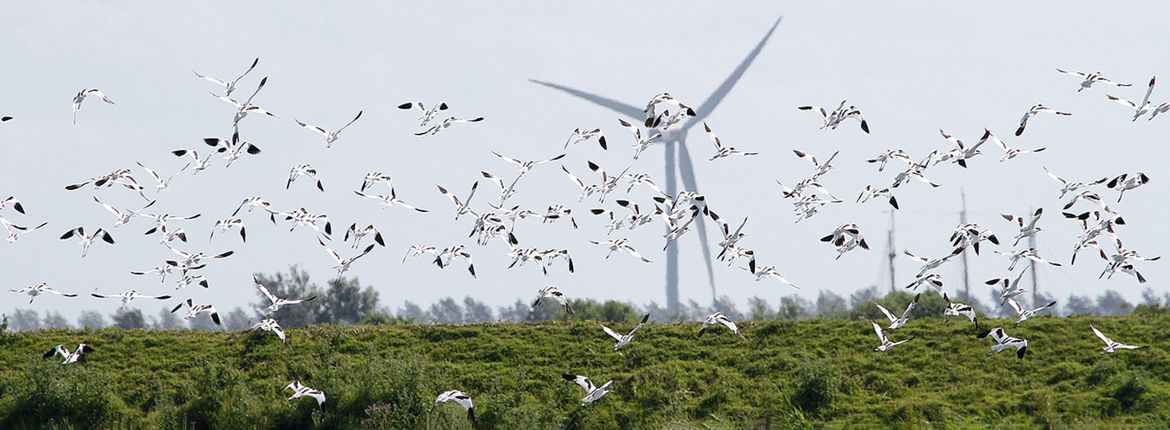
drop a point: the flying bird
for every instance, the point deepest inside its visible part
(1088, 79)
(1023, 313)
(330, 136)
(39, 289)
(592, 393)
(1003, 341)
(1035, 110)
(81, 95)
(69, 357)
(960, 309)
(720, 318)
(623, 340)
(303, 391)
(1138, 109)
(128, 296)
(1110, 344)
(899, 322)
(305, 170)
(193, 310)
(87, 240)
(278, 302)
(554, 293)
(720, 150)
(229, 86)
(270, 325)
(458, 397)
(886, 343)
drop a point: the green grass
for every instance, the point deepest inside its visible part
(786, 374)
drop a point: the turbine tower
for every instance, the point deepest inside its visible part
(676, 151)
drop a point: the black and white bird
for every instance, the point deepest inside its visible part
(201, 164)
(720, 150)
(667, 100)
(1125, 182)
(87, 240)
(960, 309)
(929, 264)
(390, 200)
(374, 178)
(886, 344)
(435, 129)
(720, 318)
(1110, 344)
(462, 207)
(1067, 186)
(1003, 341)
(835, 117)
(256, 202)
(552, 292)
(342, 264)
(160, 182)
(584, 135)
(300, 390)
(624, 339)
(895, 321)
(592, 393)
(871, 192)
(428, 115)
(232, 149)
(1009, 287)
(1088, 79)
(16, 231)
(270, 325)
(226, 224)
(303, 170)
(458, 397)
(1008, 152)
(640, 143)
(932, 280)
(1024, 254)
(1023, 313)
(526, 166)
(193, 310)
(770, 272)
(247, 107)
(39, 289)
(128, 297)
(622, 245)
(962, 152)
(892, 154)
(1028, 228)
(1035, 110)
(161, 220)
(330, 136)
(278, 302)
(971, 235)
(1138, 109)
(81, 95)
(357, 234)
(69, 357)
(16, 205)
(444, 257)
(229, 86)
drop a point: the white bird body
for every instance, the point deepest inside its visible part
(271, 325)
(1003, 341)
(592, 393)
(460, 398)
(16, 231)
(720, 318)
(390, 200)
(69, 357)
(960, 309)
(129, 296)
(1138, 109)
(1025, 314)
(330, 136)
(303, 391)
(554, 293)
(278, 302)
(624, 339)
(193, 310)
(39, 289)
(622, 245)
(1033, 111)
(1111, 345)
(1088, 79)
(886, 344)
(229, 86)
(87, 240)
(897, 322)
(81, 95)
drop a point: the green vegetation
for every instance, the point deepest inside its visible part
(787, 374)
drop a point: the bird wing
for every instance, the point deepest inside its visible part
(508, 159)
(1145, 100)
(314, 128)
(1101, 336)
(714, 139)
(878, 329)
(355, 118)
(886, 312)
(1016, 306)
(910, 307)
(581, 381)
(611, 333)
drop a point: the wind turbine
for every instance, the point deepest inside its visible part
(676, 147)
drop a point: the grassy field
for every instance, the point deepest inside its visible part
(802, 374)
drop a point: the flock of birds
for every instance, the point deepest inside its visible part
(498, 221)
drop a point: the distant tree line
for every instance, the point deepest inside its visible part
(346, 301)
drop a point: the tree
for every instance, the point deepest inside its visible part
(128, 319)
(346, 302)
(831, 306)
(1150, 298)
(515, 313)
(91, 319)
(167, 320)
(54, 319)
(1079, 305)
(445, 311)
(793, 307)
(1112, 303)
(25, 320)
(476, 311)
(237, 319)
(411, 312)
(758, 309)
(293, 285)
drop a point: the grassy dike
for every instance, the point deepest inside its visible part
(786, 374)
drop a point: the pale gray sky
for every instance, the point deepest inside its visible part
(912, 67)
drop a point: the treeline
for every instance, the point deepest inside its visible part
(346, 301)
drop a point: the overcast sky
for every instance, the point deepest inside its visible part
(912, 68)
